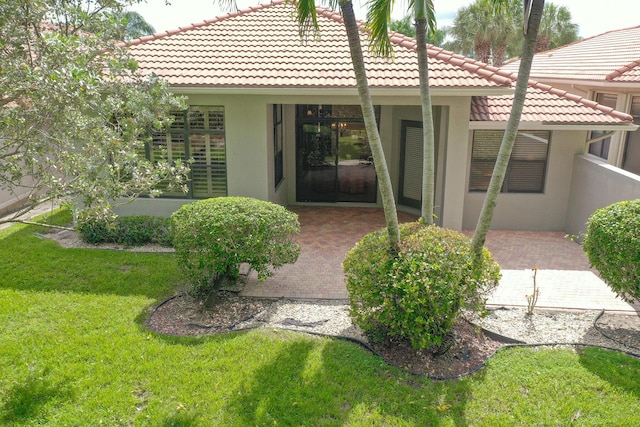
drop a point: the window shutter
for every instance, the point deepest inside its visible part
(527, 166)
(412, 182)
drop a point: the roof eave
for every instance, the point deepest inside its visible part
(589, 82)
(338, 91)
(480, 125)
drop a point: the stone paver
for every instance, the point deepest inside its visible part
(564, 277)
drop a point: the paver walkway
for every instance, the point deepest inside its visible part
(564, 277)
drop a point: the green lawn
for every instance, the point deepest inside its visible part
(74, 351)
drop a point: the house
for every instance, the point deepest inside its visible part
(606, 69)
(278, 119)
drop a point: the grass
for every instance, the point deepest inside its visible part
(74, 351)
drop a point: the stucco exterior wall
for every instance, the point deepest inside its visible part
(11, 201)
(456, 161)
(596, 184)
(543, 212)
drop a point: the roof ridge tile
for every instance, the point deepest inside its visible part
(622, 70)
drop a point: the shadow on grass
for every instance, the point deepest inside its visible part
(25, 401)
(180, 420)
(196, 341)
(614, 367)
(311, 381)
(34, 263)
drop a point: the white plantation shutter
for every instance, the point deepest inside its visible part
(197, 134)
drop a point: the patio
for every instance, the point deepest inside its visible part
(327, 233)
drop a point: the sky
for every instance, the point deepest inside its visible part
(593, 16)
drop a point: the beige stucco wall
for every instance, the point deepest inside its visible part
(10, 201)
(596, 184)
(546, 211)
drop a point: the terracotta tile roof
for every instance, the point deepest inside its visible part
(261, 47)
(547, 105)
(613, 56)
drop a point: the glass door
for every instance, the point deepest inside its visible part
(316, 162)
(356, 171)
(333, 158)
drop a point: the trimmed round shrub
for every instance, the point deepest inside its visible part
(213, 237)
(418, 293)
(612, 244)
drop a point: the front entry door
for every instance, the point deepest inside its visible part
(333, 162)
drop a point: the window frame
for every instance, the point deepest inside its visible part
(278, 145)
(182, 127)
(601, 148)
(632, 137)
(515, 165)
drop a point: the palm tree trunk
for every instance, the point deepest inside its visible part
(428, 161)
(368, 114)
(498, 55)
(500, 168)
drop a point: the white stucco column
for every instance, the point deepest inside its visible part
(456, 163)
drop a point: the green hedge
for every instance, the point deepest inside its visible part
(213, 237)
(612, 245)
(418, 293)
(127, 230)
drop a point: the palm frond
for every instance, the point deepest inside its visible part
(378, 20)
(306, 17)
(425, 9)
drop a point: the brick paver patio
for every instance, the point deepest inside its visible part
(564, 277)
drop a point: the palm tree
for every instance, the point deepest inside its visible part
(135, 25)
(307, 20)
(556, 28)
(488, 34)
(378, 17)
(423, 10)
(405, 26)
(472, 31)
(532, 18)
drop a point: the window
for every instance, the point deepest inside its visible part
(196, 134)
(631, 160)
(527, 166)
(601, 148)
(278, 142)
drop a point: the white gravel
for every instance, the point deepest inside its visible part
(320, 317)
(542, 327)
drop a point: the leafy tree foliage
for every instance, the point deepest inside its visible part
(73, 108)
